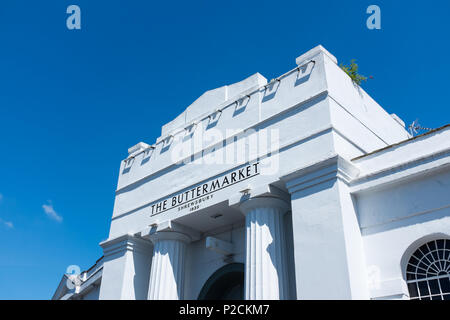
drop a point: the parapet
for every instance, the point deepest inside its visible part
(212, 100)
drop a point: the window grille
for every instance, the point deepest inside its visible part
(428, 271)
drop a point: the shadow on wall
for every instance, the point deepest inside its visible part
(142, 266)
(241, 106)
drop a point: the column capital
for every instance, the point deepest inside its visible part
(261, 191)
(170, 230)
(264, 202)
(169, 235)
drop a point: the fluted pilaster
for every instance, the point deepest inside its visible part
(265, 267)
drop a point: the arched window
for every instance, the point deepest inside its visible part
(428, 271)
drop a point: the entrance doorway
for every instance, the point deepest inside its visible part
(227, 283)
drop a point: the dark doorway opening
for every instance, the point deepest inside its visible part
(227, 283)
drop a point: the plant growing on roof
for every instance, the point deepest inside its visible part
(352, 71)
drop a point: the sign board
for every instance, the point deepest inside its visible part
(192, 198)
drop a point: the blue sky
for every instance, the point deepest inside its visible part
(73, 101)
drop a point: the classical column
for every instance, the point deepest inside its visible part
(167, 270)
(265, 264)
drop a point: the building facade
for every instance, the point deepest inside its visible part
(302, 187)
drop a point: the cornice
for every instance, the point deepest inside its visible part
(328, 169)
(127, 242)
(424, 165)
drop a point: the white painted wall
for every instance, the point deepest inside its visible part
(126, 269)
(202, 263)
(359, 216)
(398, 217)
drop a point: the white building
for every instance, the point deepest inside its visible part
(300, 188)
